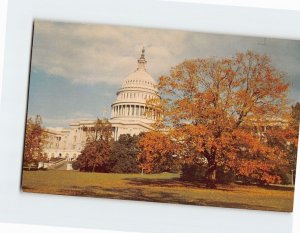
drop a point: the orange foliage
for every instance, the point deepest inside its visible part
(157, 150)
(211, 111)
(34, 141)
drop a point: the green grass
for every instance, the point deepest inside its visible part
(164, 187)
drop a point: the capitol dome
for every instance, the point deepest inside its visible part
(130, 113)
(140, 78)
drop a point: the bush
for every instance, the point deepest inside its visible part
(225, 177)
(123, 157)
(75, 165)
(285, 177)
(193, 172)
(197, 172)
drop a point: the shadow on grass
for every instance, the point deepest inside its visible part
(177, 182)
(141, 194)
(277, 187)
(138, 194)
(174, 182)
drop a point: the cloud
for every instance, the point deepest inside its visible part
(90, 53)
(86, 53)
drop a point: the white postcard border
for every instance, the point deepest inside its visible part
(19, 207)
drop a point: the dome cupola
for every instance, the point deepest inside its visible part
(140, 78)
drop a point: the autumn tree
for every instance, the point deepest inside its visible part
(157, 152)
(214, 111)
(34, 141)
(95, 155)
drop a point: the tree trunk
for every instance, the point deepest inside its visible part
(211, 174)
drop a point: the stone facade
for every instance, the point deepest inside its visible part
(129, 115)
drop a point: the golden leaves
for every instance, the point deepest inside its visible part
(212, 109)
(34, 141)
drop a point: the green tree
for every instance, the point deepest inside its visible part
(124, 155)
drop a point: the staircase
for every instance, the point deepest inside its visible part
(60, 164)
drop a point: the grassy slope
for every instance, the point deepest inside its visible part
(158, 187)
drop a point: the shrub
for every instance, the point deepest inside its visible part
(193, 172)
(225, 177)
(123, 157)
(75, 165)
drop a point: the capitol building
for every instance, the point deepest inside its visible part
(129, 115)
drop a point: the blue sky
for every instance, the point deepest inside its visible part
(77, 68)
(60, 101)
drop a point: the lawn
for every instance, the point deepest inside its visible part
(164, 187)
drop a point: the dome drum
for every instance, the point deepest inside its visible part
(130, 110)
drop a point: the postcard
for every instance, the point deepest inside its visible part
(162, 115)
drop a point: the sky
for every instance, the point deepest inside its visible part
(76, 69)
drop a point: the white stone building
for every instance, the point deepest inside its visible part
(128, 112)
(129, 115)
